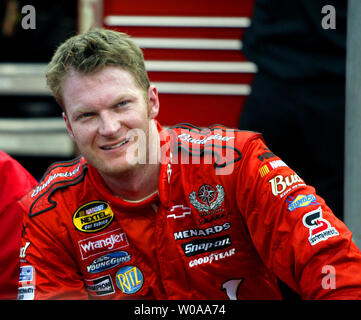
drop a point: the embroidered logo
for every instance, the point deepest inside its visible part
(178, 212)
(129, 279)
(320, 228)
(208, 198)
(93, 216)
(301, 201)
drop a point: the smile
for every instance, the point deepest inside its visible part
(110, 147)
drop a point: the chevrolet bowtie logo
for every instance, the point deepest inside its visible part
(179, 211)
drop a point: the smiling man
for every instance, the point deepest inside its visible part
(102, 112)
(182, 213)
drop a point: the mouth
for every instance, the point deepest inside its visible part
(117, 145)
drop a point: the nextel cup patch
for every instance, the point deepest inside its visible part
(93, 216)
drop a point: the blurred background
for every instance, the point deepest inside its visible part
(193, 51)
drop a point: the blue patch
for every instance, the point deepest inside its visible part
(108, 261)
(301, 201)
(129, 279)
(26, 273)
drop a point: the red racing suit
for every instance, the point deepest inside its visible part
(15, 182)
(229, 218)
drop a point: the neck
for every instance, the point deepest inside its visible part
(135, 185)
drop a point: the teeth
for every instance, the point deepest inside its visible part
(116, 145)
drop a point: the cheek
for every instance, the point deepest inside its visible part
(83, 135)
(136, 120)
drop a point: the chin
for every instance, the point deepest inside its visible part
(117, 169)
(113, 166)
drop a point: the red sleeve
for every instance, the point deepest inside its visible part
(295, 233)
(48, 268)
(15, 182)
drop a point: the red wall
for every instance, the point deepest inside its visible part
(201, 109)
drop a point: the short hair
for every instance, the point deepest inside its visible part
(90, 52)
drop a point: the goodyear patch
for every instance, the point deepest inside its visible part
(93, 216)
(301, 201)
(129, 279)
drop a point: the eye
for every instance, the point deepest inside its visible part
(85, 115)
(123, 103)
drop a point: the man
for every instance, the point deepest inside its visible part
(182, 213)
(15, 182)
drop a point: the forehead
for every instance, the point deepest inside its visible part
(98, 87)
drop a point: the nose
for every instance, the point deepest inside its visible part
(109, 124)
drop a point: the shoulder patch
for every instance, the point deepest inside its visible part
(217, 141)
(59, 175)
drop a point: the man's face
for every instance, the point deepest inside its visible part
(102, 109)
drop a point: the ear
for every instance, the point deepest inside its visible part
(68, 126)
(153, 102)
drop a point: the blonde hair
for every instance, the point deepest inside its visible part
(91, 51)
